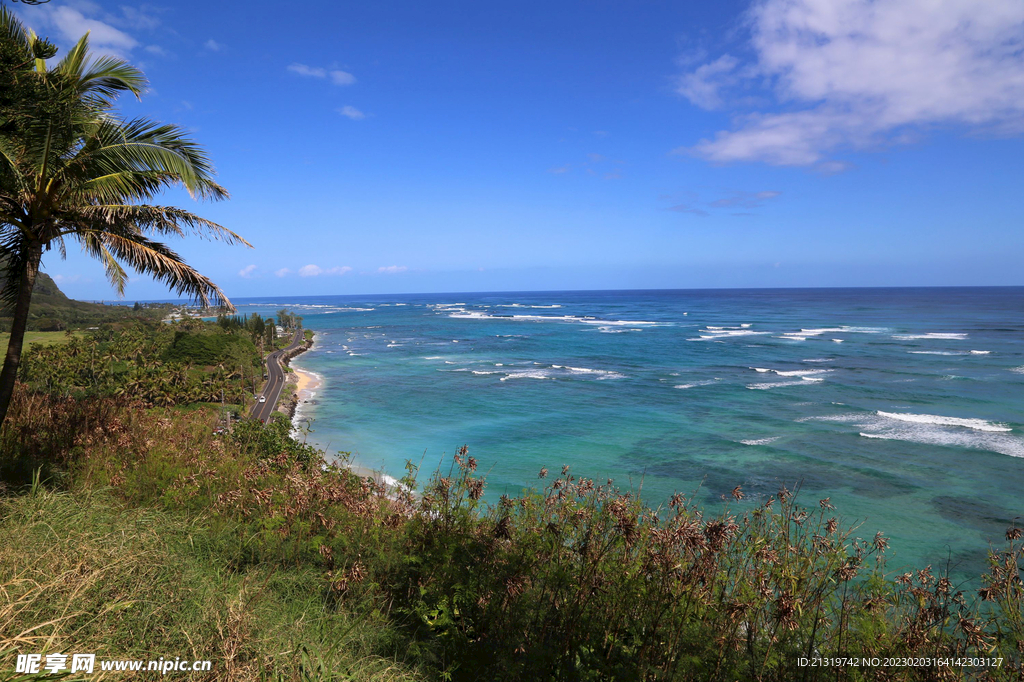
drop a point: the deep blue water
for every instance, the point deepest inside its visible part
(905, 406)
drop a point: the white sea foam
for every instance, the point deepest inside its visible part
(726, 332)
(434, 357)
(779, 384)
(561, 372)
(580, 319)
(760, 441)
(818, 331)
(950, 336)
(933, 435)
(977, 424)
(980, 352)
(620, 323)
(697, 383)
(803, 373)
(818, 360)
(523, 305)
(821, 330)
(1017, 370)
(837, 340)
(938, 352)
(976, 434)
(792, 372)
(528, 374)
(469, 315)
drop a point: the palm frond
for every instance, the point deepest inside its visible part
(168, 220)
(13, 255)
(160, 262)
(145, 146)
(13, 32)
(104, 78)
(74, 61)
(11, 178)
(92, 243)
(70, 167)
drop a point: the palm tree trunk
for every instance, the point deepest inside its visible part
(12, 360)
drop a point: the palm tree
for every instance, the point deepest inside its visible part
(70, 169)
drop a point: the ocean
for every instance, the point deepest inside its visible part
(905, 407)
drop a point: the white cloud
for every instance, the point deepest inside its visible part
(71, 24)
(304, 70)
(740, 199)
(156, 49)
(336, 76)
(351, 112)
(283, 272)
(247, 271)
(66, 279)
(213, 45)
(392, 269)
(855, 74)
(315, 270)
(558, 170)
(703, 86)
(687, 208)
(342, 77)
(734, 199)
(136, 17)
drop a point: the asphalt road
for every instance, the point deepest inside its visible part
(275, 382)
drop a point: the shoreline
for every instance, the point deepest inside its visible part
(307, 385)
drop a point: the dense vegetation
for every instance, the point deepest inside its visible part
(51, 310)
(161, 364)
(296, 569)
(133, 529)
(74, 172)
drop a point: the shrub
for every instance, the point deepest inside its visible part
(204, 349)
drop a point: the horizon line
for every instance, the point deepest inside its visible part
(577, 291)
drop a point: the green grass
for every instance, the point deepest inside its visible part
(248, 551)
(80, 573)
(44, 338)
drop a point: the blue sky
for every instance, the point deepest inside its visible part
(395, 147)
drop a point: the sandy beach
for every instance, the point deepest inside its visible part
(306, 387)
(307, 383)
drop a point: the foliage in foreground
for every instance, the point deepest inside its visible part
(158, 364)
(577, 582)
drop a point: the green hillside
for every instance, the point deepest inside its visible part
(52, 310)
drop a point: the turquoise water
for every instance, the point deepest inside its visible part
(905, 406)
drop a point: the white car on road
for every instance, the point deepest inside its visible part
(263, 398)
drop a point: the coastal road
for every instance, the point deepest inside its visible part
(275, 381)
